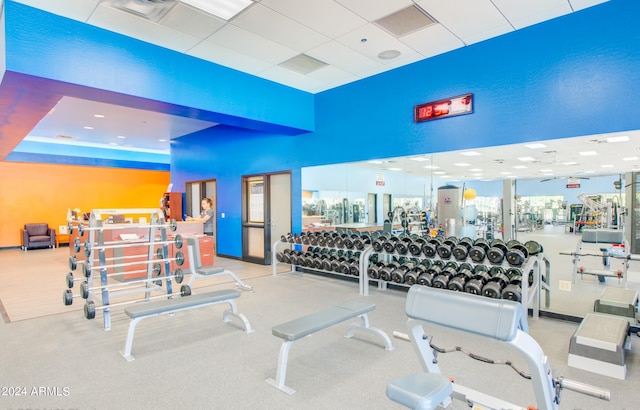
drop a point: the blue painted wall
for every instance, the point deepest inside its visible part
(554, 80)
(572, 76)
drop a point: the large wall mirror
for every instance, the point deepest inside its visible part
(560, 188)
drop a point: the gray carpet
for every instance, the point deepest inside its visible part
(195, 361)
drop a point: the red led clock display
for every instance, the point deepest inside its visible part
(460, 105)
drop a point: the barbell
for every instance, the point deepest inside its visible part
(157, 270)
(73, 263)
(90, 307)
(85, 289)
(173, 225)
(178, 241)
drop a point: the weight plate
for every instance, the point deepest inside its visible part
(89, 309)
(67, 297)
(73, 263)
(159, 253)
(179, 258)
(179, 275)
(70, 280)
(185, 290)
(533, 247)
(84, 289)
(179, 242)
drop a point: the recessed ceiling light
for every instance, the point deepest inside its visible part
(589, 172)
(419, 159)
(462, 164)
(621, 138)
(88, 128)
(526, 159)
(535, 145)
(113, 143)
(505, 173)
(431, 167)
(630, 158)
(225, 9)
(98, 115)
(164, 140)
(121, 137)
(570, 163)
(439, 172)
(470, 153)
(546, 170)
(445, 176)
(476, 175)
(394, 169)
(606, 166)
(475, 169)
(373, 161)
(588, 153)
(520, 167)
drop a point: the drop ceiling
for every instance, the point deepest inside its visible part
(311, 45)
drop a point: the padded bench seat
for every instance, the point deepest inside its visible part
(598, 345)
(307, 325)
(143, 310)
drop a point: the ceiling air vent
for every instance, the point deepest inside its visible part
(405, 21)
(153, 10)
(302, 64)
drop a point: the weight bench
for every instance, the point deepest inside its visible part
(315, 322)
(144, 310)
(197, 270)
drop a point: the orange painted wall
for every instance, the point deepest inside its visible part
(33, 192)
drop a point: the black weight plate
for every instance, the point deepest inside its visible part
(477, 254)
(460, 252)
(533, 247)
(495, 255)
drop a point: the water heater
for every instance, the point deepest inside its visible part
(449, 209)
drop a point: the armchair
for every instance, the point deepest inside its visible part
(38, 235)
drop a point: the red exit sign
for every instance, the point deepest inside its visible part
(450, 107)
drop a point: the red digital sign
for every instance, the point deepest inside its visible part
(450, 107)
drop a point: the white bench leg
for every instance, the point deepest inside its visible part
(129, 343)
(234, 312)
(281, 373)
(370, 329)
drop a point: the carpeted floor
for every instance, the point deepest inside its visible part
(195, 361)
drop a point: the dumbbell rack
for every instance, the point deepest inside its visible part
(530, 295)
(96, 240)
(362, 276)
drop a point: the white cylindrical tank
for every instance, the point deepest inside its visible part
(449, 208)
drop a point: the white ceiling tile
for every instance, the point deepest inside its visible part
(267, 23)
(470, 20)
(290, 78)
(79, 10)
(330, 74)
(140, 28)
(526, 13)
(324, 16)
(191, 21)
(245, 42)
(341, 56)
(583, 4)
(373, 10)
(377, 41)
(432, 40)
(209, 51)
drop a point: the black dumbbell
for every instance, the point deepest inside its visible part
(402, 246)
(480, 278)
(479, 250)
(389, 245)
(441, 281)
(461, 250)
(385, 272)
(493, 288)
(496, 253)
(446, 247)
(399, 273)
(517, 255)
(373, 271)
(513, 290)
(463, 275)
